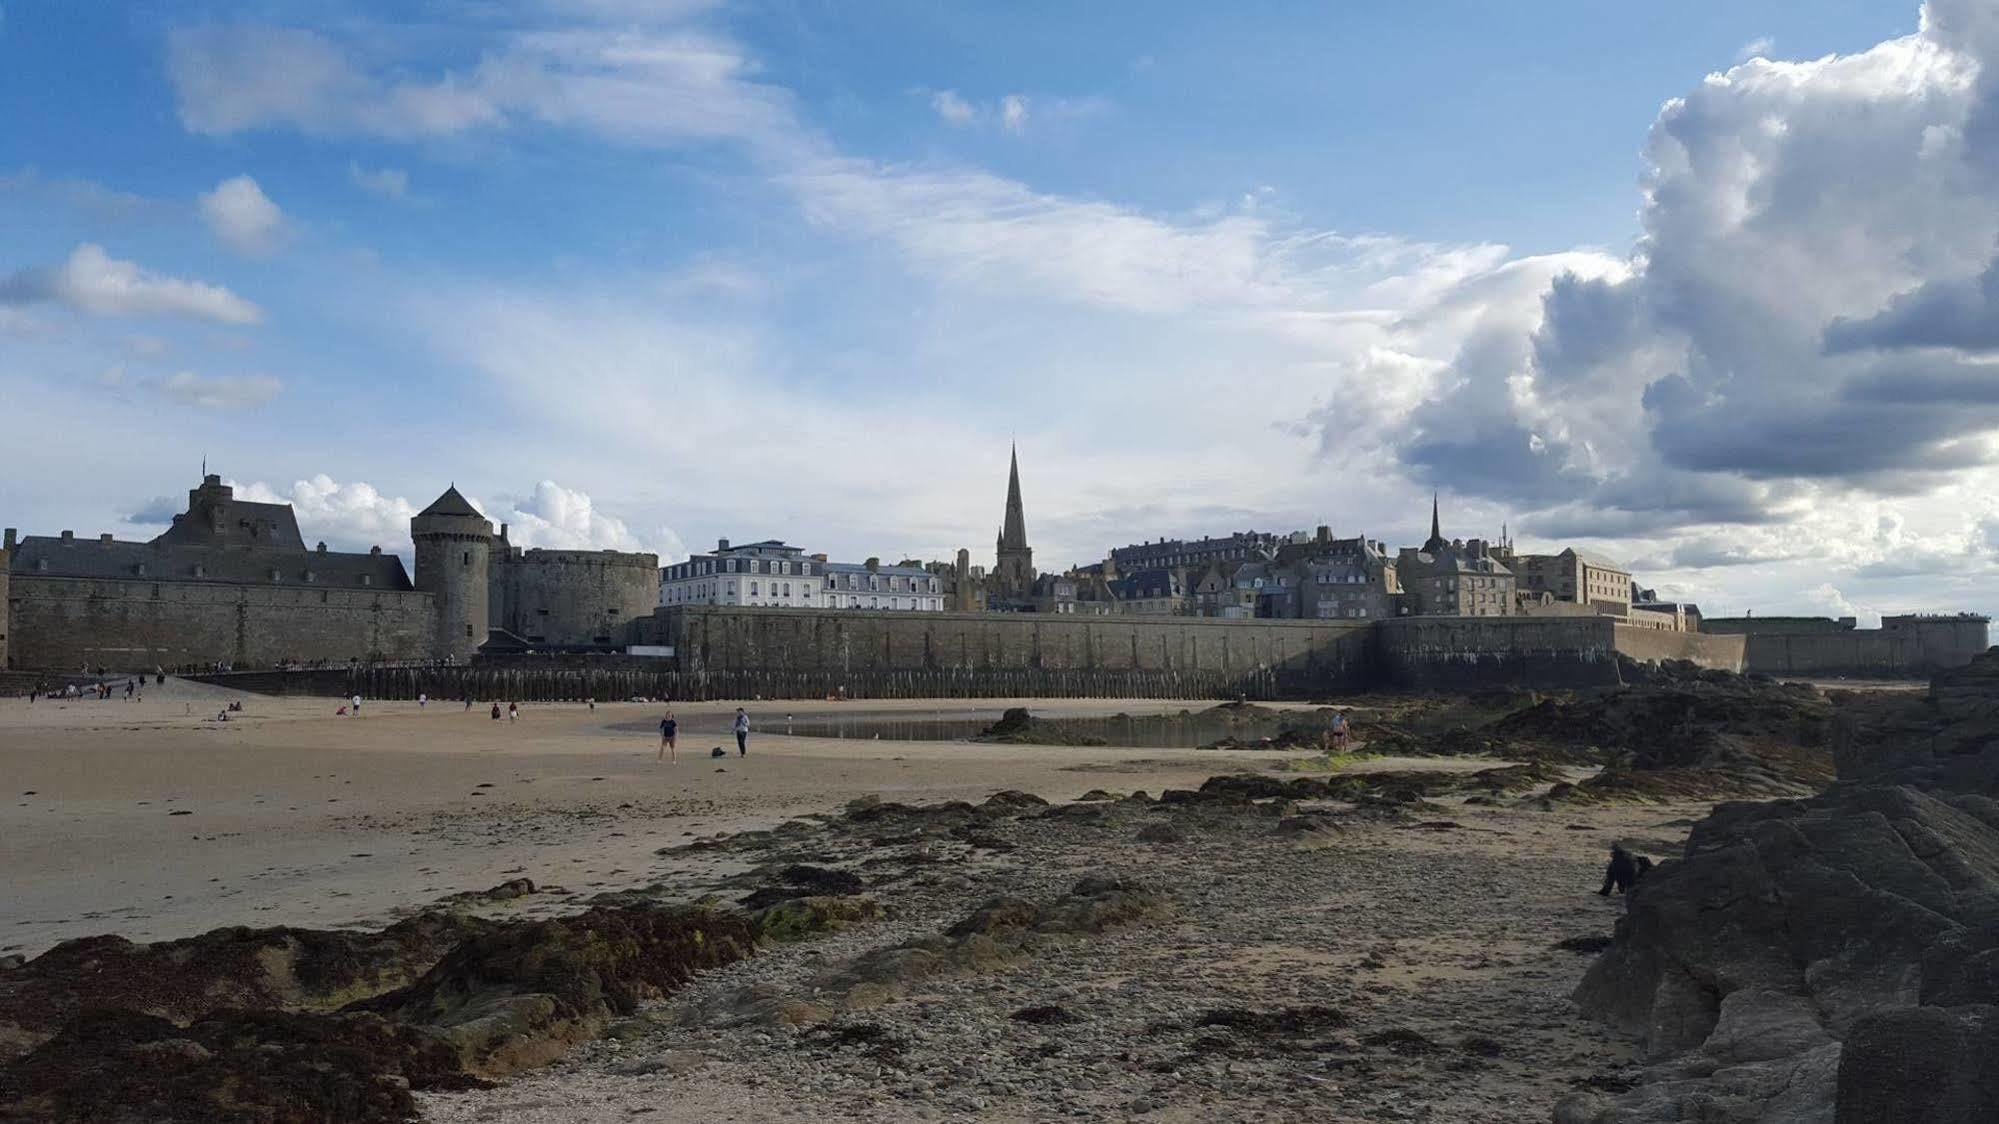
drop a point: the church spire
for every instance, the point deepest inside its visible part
(1013, 534)
(1437, 541)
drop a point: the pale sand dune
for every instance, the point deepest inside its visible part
(297, 817)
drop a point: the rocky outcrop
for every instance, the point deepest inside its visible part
(1835, 958)
(262, 1026)
(242, 968)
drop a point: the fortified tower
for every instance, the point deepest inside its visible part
(1014, 569)
(453, 544)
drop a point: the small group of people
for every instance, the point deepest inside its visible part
(669, 735)
(513, 711)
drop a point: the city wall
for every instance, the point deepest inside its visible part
(741, 653)
(1455, 653)
(64, 623)
(573, 597)
(1861, 653)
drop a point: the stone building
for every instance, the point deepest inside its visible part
(1453, 578)
(1161, 592)
(1195, 554)
(1574, 576)
(1347, 579)
(231, 582)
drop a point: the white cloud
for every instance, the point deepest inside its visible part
(218, 392)
(1013, 113)
(242, 216)
(96, 282)
(355, 515)
(350, 516)
(562, 518)
(389, 183)
(1759, 47)
(663, 85)
(954, 109)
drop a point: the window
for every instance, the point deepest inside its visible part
(753, 585)
(787, 589)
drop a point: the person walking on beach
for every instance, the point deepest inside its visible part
(356, 703)
(742, 733)
(1341, 731)
(669, 736)
(422, 700)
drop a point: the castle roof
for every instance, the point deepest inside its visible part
(451, 503)
(164, 560)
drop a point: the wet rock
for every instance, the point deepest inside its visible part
(523, 995)
(230, 1067)
(252, 969)
(1160, 833)
(1923, 1065)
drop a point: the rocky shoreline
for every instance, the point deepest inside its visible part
(1394, 944)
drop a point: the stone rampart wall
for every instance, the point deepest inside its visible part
(1256, 658)
(65, 623)
(1652, 645)
(1448, 653)
(574, 597)
(1860, 653)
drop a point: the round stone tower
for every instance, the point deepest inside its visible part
(453, 542)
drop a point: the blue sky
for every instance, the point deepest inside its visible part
(643, 274)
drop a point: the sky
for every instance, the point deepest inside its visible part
(1709, 287)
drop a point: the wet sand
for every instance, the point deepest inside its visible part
(151, 820)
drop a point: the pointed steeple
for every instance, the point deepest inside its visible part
(1437, 541)
(1013, 534)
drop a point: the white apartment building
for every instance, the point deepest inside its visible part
(774, 574)
(870, 585)
(768, 573)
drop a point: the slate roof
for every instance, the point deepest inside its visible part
(451, 503)
(162, 560)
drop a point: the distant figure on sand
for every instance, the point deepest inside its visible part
(421, 700)
(356, 702)
(513, 711)
(669, 733)
(742, 733)
(496, 710)
(1341, 731)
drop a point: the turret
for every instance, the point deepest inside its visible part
(453, 545)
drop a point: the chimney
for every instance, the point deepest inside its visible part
(322, 547)
(104, 538)
(819, 558)
(68, 538)
(874, 564)
(1325, 533)
(375, 551)
(7, 543)
(721, 545)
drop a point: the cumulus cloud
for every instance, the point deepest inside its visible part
(355, 515)
(242, 216)
(219, 392)
(94, 281)
(1808, 311)
(563, 518)
(389, 183)
(346, 516)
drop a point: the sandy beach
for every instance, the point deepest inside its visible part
(151, 820)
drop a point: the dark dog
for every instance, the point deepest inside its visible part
(1624, 871)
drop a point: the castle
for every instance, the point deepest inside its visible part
(232, 583)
